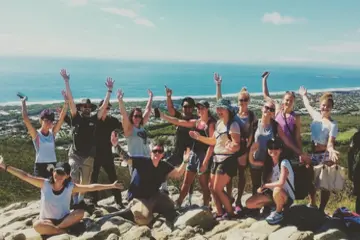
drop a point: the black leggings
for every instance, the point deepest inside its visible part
(256, 177)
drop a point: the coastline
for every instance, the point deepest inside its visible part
(163, 98)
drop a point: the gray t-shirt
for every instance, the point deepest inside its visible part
(262, 136)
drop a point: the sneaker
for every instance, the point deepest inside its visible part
(238, 210)
(225, 216)
(274, 218)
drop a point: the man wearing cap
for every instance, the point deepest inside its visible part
(83, 149)
(182, 138)
(104, 158)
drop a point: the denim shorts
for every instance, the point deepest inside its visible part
(195, 162)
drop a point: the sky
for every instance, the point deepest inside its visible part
(280, 31)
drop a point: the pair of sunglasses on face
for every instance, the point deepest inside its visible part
(138, 116)
(159, 151)
(187, 106)
(270, 109)
(243, 100)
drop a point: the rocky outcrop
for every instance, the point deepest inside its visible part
(194, 224)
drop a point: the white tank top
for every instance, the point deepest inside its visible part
(138, 143)
(55, 206)
(44, 147)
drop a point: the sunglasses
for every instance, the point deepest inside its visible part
(86, 106)
(60, 172)
(269, 109)
(188, 106)
(243, 100)
(159, 151)
(138, 116)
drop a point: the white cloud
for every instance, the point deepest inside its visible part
(78, 2)
(121, 11)
(129, 14)
(277, 19)
(144, 21)
(342, 47)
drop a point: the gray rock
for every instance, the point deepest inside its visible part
(331, 234)
(196, 217)
(291, 233)
(137, 233)
(15, 216)
(187, 232)
(221, 227)
(242, 234)
(161, 232)
(13, 206)
(61, 237)
(125, 227)
(112, 236)
(263, 227)
(27, 234)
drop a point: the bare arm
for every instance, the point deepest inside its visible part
(284, 173)
(233, 145)
(206, 140)
(72, 105)
(298, 132)
(35, 181)
(179, 171)
(109, 84)
(309, 108)
(95, 187)
(169, 102)
(266, 93)
(125, 118)
(253, 149)
(147, 111)
(178, 122)
(218, 81)
(62, 115)
(26, 120)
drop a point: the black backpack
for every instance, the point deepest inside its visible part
(302, 180)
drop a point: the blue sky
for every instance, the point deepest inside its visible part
(196, 30)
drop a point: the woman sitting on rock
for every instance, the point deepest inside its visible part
(55, 216)
(279, 188)
(44, 138)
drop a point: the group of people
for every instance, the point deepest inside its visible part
(214, 148)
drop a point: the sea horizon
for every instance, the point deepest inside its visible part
(39, 78)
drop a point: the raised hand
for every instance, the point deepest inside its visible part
(168, 91)
(109, 83)
(120, 95)
(65, 96)
(150, 93)
(265, 75)
(333, 155)
(194, 134)
(217, 78)
(114, 138)
(302, 91)
(64, 74)
(118, 185)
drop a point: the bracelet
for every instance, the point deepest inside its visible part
(110, 91)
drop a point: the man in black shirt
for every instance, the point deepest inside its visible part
(354, 167)
(83, 149)
(143, 195)
(104, 158)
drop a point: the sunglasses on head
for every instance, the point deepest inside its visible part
(138, 116)
(243, 100)
(60, 172)
(160, 151)
(269, 108)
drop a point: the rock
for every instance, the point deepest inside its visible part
(161, 232)
(221, 227)
(304, 218)
(291, 233)
(173, 190)
(196, 217)
(186, 233)
(242, 234)
(13, 228)
(13, 206)
(125, 227)
(137, 233)
(112, 236)
(331, 234)
(27, 234)
(61, 237)
(198, 237)
(263, 227)
(15, 216)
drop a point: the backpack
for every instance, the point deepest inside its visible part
(349, 218)
(302, 180)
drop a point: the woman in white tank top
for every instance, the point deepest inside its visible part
(44, 138)
(55, 216)
(133, 123)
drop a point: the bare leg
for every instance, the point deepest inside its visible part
(241, 178)
(258, 201)
(204, 183)
(71, 219)
(312, 190)
(229, 187)
(46, 227)
(188, 180)
(221, 180)
(216, 200)
(280, 198)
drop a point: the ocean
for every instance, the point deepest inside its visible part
(40, 80)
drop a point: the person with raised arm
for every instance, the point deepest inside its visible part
(133, 125)
(44, 138)
(205, 125)
(104, 158)
(278, 188)
(144, 195)
(286, 117)
(83, 148)
(182, 138)
(226, 142)
(56, 191)
(324, 130)
(246, 119)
